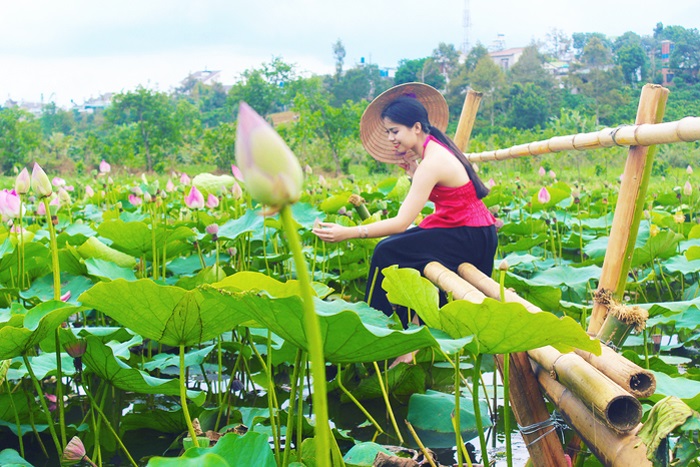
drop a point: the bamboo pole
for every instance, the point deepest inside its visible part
(631, 377)
(629, 207)
(641, 134)
(611, 448)
(609, 401)
(526, 398)
(467, 118)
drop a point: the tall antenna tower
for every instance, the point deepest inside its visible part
(466, 24)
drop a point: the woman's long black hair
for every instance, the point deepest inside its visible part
(407, 111)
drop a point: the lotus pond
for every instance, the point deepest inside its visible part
(132, 318)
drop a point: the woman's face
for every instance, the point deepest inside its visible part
(402, 137)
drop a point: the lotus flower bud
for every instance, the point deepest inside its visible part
(9, 204)
(184, 179)
(543, 196)
(135, 200)
(272, 173)
(41, 182)
(236, 173)
(74, 452)
(552, 175)
(236, 191)
(144, 179)
(66, 296)
(195, 199)
(170, 186)
(212, 201)
(542, 172)
(491, 183)
(23, 182)
(687, 189)
(212, 229)
(503, 266)
(58, 182)
(63, 196)
(147, 197)
(89, 192)
(105, 167)
(689, 170)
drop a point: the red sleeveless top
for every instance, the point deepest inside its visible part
(456, 207)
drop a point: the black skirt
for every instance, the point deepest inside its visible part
(416, 247)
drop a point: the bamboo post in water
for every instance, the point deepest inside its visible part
(611, 448)
(629, 207)
(629, 376)
(526, 398)
(610, 402)
(467, 118)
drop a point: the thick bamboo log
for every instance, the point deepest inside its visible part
(630, 205)
(629, 376)
(611, 448)
(467, 118)
(642, 134)
(526, 397)
(609, 401)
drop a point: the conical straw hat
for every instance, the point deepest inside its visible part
(372, 131)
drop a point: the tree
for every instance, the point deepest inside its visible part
(558, 44)
(528, 107)
(268, 89)
(149, 115)
(489, 79)
(446, 58)
(475, 54)
(20, 136)
(424, 70)
(596, 53)
(361, 82)
(633, 62)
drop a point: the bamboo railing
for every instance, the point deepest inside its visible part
(684, 130)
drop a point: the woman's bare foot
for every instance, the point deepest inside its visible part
(408, 358)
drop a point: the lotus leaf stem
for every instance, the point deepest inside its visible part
(382, 387)
(44, 407)
(183, 398)
(339, 379)
(477, 409)
(114, 433)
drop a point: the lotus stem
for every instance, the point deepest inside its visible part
(359, 405)
(44, 407)
(271, 399)
(290, 411)
(456, 418)
(427, 456)
(477, 409)
(17, 422)
(183, 398)
(506, 408)
(312, 328)
(460, 446)
(382, 387)
(114, 433)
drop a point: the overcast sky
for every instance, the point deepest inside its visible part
(63, 50)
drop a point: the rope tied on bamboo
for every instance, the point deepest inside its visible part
(613, 135)
(554, 421)
(633, 316)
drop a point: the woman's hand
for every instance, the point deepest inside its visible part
(332, 233)
(409, 165)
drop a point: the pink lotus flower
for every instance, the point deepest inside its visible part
(212, 201)
(69, 188)
(135, 200)
(542, 172)
(689, 170)
(89, 192)
(170, 186)
(23, 182)
(184, 179)
(272, 173)
(105, 167)
(74, 453)
(212, 229)
(66, 296)
(63, 196)
(195, 199)
(687, 189)
(543, 196)
(236, 173)
(9, 204)
(58, 182)
(552, 174)
(491, 183)
(41, 182)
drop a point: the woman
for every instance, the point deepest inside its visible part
(405, 125)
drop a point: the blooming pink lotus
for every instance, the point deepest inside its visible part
(543, 196)
(58, 182)
(212, 201)
(105, 167)
(9, 204)
(194, 199)
(135, 200)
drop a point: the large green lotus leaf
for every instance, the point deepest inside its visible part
(682, 264)
(250, 449)
(214, 184)
(39, 322)
(75, 234)
(249, 280)
(666, 415)
(406, 287)
(208, 275)
(11, 458)
(683, 315)
(692, 253)
(431, 415)
(94, 248)
(525, 243)
(501, 328)
(192, 358)
(546, 297)
(251, 221)
(694, 232)
(596, 249)
(37, 263)
(526, 228)
(687, 390)
(598, 223)
(164, 421)
(661, 246)
(132, 238)
(363, 454)
(44, 365)
(108, 270)
(100, 359)
(346, 337)
(42, 288)
(167, 314)
(577, 278)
